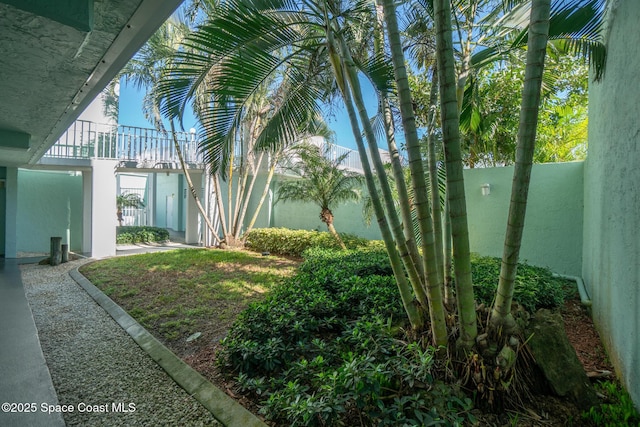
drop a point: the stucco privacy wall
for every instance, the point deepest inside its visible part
(3, 206)
(50, 204)
(348, 217)
(611, 257)
(553, 224)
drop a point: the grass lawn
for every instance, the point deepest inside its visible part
(176, 294)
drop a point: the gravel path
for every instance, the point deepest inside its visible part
(95, 366)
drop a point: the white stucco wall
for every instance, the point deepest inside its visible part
(611, 255)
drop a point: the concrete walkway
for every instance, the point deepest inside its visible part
(25, 382)
(25, 377)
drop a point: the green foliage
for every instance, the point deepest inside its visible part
(322, 180)
(129, 200)
(619, 412)
(137, 234)
(535, 287)
(323, 349)
(490, 113)
(320, 349)
(284, 241)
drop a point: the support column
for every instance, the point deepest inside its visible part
(101, 185)
(152, 191)
(11, 213)
(87, 180)
(192, 219)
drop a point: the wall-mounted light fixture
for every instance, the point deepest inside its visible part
(486, 189)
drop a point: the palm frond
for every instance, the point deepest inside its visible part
(575, 26)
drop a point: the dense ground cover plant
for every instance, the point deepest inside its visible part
(284, 241)
(536, 287)
(327, 347)
(324, 348)
(140, 234)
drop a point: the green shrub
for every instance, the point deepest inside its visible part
(284, 241)
(140, 234)
(323, 349)
(320, 349)
(535, 287)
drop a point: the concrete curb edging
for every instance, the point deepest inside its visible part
(224, 409)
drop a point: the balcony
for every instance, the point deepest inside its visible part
(145, 148)
(134, 147)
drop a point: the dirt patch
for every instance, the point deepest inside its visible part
(585, 339)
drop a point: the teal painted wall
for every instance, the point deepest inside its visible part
(50, 204)
(553, 225)
(611, 266)
(3, 209)
(306, 216)
(168, 197)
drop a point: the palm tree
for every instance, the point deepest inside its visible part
(572, 26)
(243, 44)
(322, 181)
(536, 50)
(127, 200)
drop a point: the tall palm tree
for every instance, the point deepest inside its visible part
(536, 50)
(247, 41)
(573, 26)
(321, 181)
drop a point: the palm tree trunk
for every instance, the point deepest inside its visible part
(403, 196)
(536, 49)
(398, 172)
(220, 203)
(413, 312)
(227, 235)
(240, 196)
(417, 281)
(436, 210)
(455, 179)
(418, 177)
(187, 176)
(465, 63)
(265, 191)
(327, 217)
(447, 251)
(247, 196)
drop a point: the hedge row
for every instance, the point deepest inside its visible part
(284, 241)
(137, 234)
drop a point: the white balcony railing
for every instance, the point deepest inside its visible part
(149, 148)
(141, 147)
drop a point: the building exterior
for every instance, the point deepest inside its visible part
(587, 220)
(55, 60)
(611, 250)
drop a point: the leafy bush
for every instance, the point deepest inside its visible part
(320, 349)
(137, 234)
(284, 241)
(535, 287)
(619, 411)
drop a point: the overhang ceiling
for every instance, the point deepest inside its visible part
(56, 57)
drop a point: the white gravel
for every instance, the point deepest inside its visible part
(94, 364)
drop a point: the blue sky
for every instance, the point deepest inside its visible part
(131, 115)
